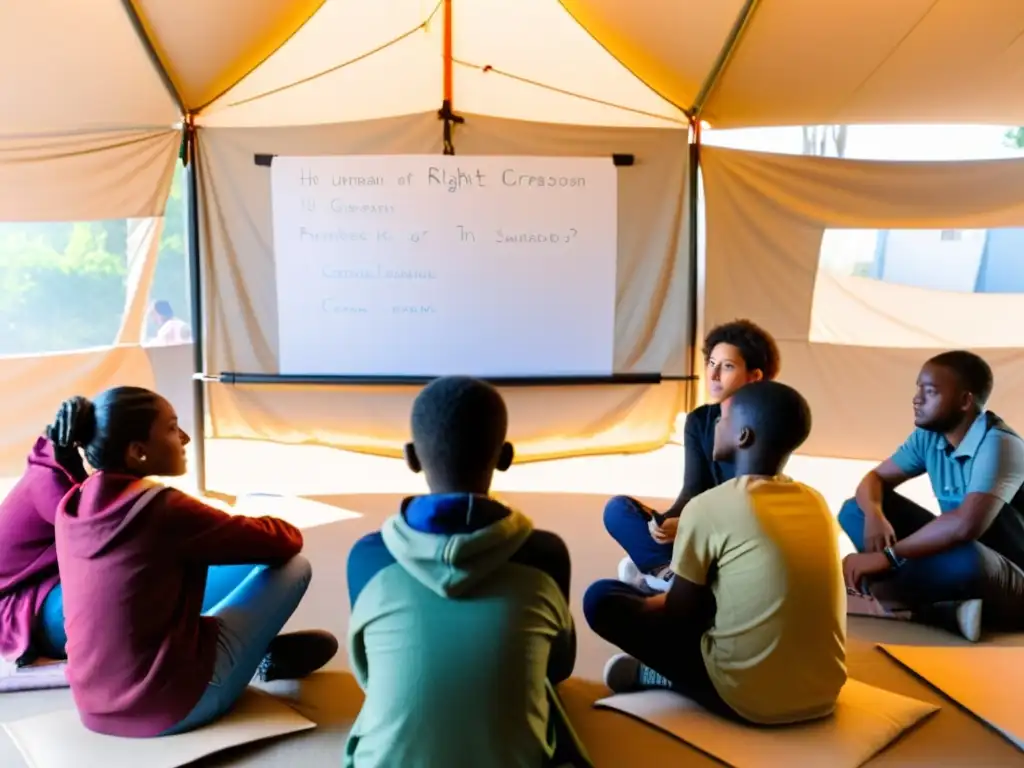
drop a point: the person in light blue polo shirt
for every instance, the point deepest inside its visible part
(945, 569)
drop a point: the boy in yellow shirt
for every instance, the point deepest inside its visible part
(754, 625)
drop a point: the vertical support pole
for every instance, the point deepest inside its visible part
(195, 270)
(447, 84)
(447, 111)
(693, 214)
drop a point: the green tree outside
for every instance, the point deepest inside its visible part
(62, 284)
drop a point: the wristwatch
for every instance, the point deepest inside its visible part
(894, 560)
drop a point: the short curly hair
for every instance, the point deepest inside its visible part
(459, 426)
(757, 347)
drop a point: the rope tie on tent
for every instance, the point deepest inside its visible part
(488, 69)
(422, 26)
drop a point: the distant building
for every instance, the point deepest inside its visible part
(964, 260)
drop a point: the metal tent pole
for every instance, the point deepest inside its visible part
(729, 47)
(195, 270)
(188, 158)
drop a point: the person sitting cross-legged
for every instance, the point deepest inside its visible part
(147, 656)
(735, 354)
(965, 565)
(460, 621)
(753, 627)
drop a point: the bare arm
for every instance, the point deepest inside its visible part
(996, 477)
(697, 476)
(884, 477)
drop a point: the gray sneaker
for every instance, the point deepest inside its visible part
(623, 673)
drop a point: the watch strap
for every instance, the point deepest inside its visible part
(894, 560)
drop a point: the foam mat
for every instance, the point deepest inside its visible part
(45, 673)
(59, 740)
(866, 720)
(985, 680)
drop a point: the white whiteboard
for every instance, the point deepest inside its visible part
(430, 265)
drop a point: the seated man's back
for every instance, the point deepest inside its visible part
(460, 615)
(767, 548)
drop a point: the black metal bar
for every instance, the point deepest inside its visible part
(620, 159)
(230, 377)
(195, 268)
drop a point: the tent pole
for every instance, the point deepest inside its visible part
(188, 158)
(693, 213)
(196, 292)
(154, 57)
(447, 111)
(448, 53)
(729, 47)
(740, 25)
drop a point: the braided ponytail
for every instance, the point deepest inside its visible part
(73, 429)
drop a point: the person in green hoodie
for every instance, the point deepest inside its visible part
(460, 619)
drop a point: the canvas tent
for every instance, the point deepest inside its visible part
(98, 97)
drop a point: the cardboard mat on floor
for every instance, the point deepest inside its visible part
(866, 720)
(985, 680)
(58, 739)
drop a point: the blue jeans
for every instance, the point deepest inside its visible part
(626, 520)
(250, 617)
(964, 572)
(51, 639)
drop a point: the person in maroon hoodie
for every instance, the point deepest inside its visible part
(143, 658)
(31, 614)
(31, 598)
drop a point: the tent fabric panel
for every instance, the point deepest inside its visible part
(544, 422)
(671, 45)
(89, 176)
(207, 47)
(873, 61)
(76, 67)
(530, 60)
(326, 73)
(34, 386)
(765, 217)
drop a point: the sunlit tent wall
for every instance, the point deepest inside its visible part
(854, 345)
(91, 131)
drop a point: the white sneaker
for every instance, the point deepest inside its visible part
(651, 583)
(968, 619)
(656, 583)
(629, 574)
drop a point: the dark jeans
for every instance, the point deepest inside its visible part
(618, 612)
(964, 572)
(626, 520)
